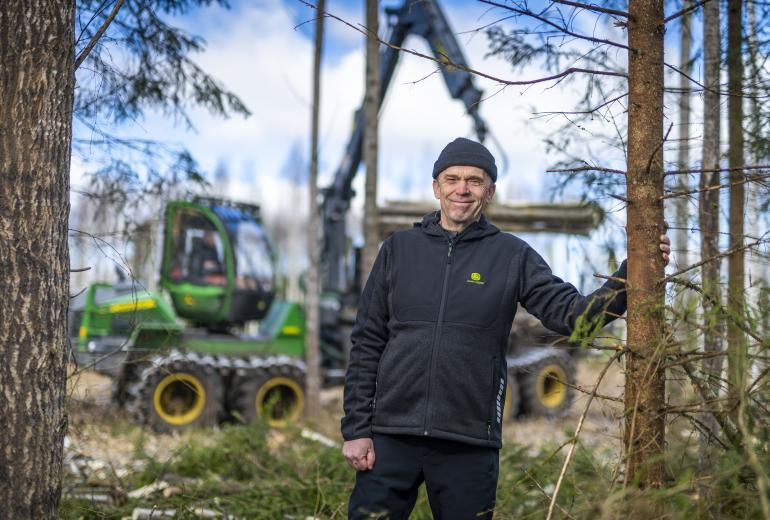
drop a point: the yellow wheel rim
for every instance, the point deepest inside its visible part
(280, 401)
(550, 389)
(179, 398)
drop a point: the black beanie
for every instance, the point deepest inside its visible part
(464, 152)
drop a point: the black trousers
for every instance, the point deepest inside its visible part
(460, 479)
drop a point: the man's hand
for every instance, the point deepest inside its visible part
(665, 247)
(359, 454)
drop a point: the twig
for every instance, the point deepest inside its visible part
(718, 305)
(657, 149)
(592, 7)
(577, 434)
(607, 277)
(709, 89)
(81, 291)
(526, 12)
(589, 111)
(446, 62)
(91, 44)
(586, 169)
(716, 170)
(750, 178)
(705, 395)
(684, 11)
(729, 252)
(80, 269)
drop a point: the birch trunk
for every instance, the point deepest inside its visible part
(312, 302)
(371, 112)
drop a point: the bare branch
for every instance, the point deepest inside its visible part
(715, 90)
(750, 178)
(705, 394)
(589, 111)
(714, 170)
(531, 14)
(718, 305)
(446, 62)
(80, 269)
(657, 148)
(586, 169)
(684, 11)
(673, 277)
(98, 34)
(592, 7)
(81, 291)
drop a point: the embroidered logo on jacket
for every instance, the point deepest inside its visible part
(475, 278)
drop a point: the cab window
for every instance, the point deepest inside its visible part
(197, 250)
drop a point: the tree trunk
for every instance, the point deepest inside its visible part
(371, 113)
(758, 268)
(681, 211)
(37, 91)
(312, 303)
(683, 159)
(645, 380)
(736, 341)
(708, 208)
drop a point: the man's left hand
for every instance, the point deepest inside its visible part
(665, 247)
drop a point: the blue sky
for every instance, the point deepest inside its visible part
(262, 50)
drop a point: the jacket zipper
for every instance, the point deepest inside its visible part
(436, 335)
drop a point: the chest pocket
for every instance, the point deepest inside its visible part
(476, 287)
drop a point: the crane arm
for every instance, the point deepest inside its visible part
(422, 18)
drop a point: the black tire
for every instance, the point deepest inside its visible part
(180, 395)
(543, 392)
(512, 403)
(275, 394)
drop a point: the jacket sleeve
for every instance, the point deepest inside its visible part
(559, 304)
(368, 338)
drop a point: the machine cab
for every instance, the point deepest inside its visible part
(218, 266)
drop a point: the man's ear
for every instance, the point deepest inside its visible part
(490, 193)
(436, 189)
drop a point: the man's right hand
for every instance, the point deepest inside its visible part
(359, 453)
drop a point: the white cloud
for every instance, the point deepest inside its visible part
(256, 52)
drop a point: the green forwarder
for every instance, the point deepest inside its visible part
(180, 359)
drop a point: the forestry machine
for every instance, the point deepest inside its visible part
(182, 359)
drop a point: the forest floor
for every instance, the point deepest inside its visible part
(99, 430)
(107, 457)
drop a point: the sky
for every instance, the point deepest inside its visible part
(262, 51)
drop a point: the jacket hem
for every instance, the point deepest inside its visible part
(436, 434)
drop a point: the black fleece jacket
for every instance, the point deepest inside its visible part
(429, 343)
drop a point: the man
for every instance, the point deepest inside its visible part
(427, 368)
(205, 264)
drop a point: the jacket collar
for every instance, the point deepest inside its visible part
(481, 228)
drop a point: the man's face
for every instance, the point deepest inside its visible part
(463, 191)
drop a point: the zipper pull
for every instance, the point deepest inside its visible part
(449, 253)
(489, 430)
